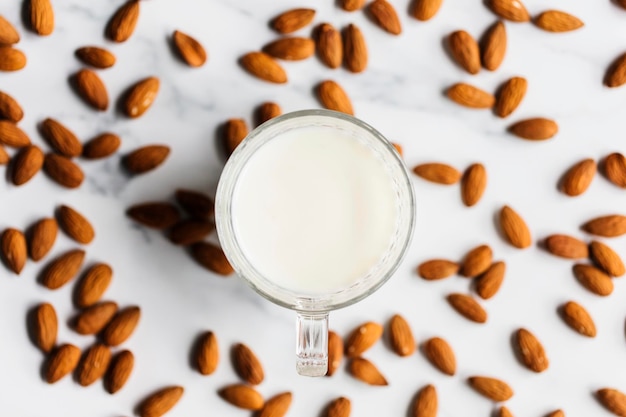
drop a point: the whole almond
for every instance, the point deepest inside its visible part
(94, 318)
(190, 50)
(607, 259)
(493, 46)
(492, 388)
(122, 326)
(510, 96)
(41, 17)
(398, 148)
(354, 49)
(621, 3)
(339, 407)
(266, 111)
(488, 284)
(467, 307)
(512, 10)
(146, 158)
(607, 226)
(464, 50)
(155, 215)
(93, 365)
(557, 21)
(63, 171)
(190, 231)
(364, 370)
(593, 279)
(42, 237)
(290, 49)
(576, 317)
(61, 362)
(234, 132)
(246, 364)
(351, 5)
(292, 20)
(196, 204)
(438, 173)
(578, 178)
(514, 228)
(362, 338)
(26, 164)
(139, 97)
(614, 167)
(329, 45)
(45, 326)
(93, 285)
(613, 400)
(469, 96)
(531, 351)
(101, 146)
(437, 269)
(425, 404)
(400, 336)
(538, 128)
(10, 109)
(277, 406)
(473, 184)
(616, 73)
(123, 22)
(11, 59)
(425, 9)
(242, 396)
(91, 89)
(8, 34)
(264, 67)
(62, 269)
(441, 355)
(477, 261)
(212, 258)
(384, 15)
(14, 252)
(335, 352)
(62, 140)
(11, 135)
(4, 156)
(96, 57)
(333, 97)
(120, 368)
(75, 225)
(161, 401)
(207, 353)
(505, 412)
(566, 247)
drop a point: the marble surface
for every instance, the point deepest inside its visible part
(401, 95)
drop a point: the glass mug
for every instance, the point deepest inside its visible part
(312, 308)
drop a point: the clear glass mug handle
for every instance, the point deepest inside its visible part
(312, 344)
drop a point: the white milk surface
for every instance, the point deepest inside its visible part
(314, 210)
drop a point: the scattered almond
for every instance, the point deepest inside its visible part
(10, 109)
(140, 96)
(465, 51)
(96, 57)
(335, 352)
(351, 5)
(467, 307)
(8, 34)
(473, 184)
(593, 279)
(267, 111)
(119, 371)
(366, 371)
(510, 96)
(63, 171)
(607, 259)
(42, 237)
(41, 17)
(92, 285)
(62, 140)
(492, 388)
(75, 225)
(160, 402)
(91, 89)
(277, 406)
(94, 318)
(505, 412)
(122, 326)
(333, 97)
(493, 46)
(212, 258)
(26, 164)
(437, 269)
(329, 45)
(557, 21)
(123, 22)
(246, 364)
(531, 352)
(234, 131)
(578, 178)
(477, 261)
(615, 75)
(441, 355)
(614, 167)
(61, 363)
(399, 149)
(155, 215)
(512, 10)
(514, 228)
(242, 396)
(264, 67)
(11, 59)
(190, 231)
(576, 317)
(290, 49)
(14, 252)
(339, 407)
(469, 96)
(292, 20)
(488, 284)
(45, 326)
(93, 365)
(207, 354)
(146, 158)
(425, 404)
(566, 247)
(4, 156)
(400, 336)
(362, 338)
(11, 135)
(354, 49)
(606, 226)
(438, 173)
(101, 146)
(384, 15)
(613, 400)
(190, 50)
(425, 9)
(538, 128)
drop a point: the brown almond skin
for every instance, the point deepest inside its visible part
(437, 269)
(91, 89)
(4, 156)
(473, 184)
(11, 135)
(538, 128)
(63, 171)
(351, 5)
(8, 34)
(120, 368)
(607, 259)
(10, 109)
(510, 96)
(354, 49)
(11, 59)
(531, 352)
(557, 21)
(339, 407)
(364, 370)
(438, 173)
(247, 364)
(189, 49)
(333, 97)
(292, 20)
(467, 307)
(362, 338)
(14, 251)
(160, 402)
(75, 225)
(465, 51)
(329, 45)
(140, 96)
(576, 317)
(156, 215)
(616, 73)
(123, 22)
(488, 284)
(441, 355)
(477, 261)
(385, 16)
(566, 247)
(607, 226)
(264, 67)
(62, 140)
(400, 336)
(190, 231)
(578, 178)
(242, 396)
(277, 406)
(93, 365)
(146, 158)
(26, 164)
(207, 354)
(234, 132)
(41, 17)
(61, 362)
(94, 318)
(96, 57)
(469, 96)
(614, 169)
(196, 204)
(42, 237)
(425, 9)
(266, 111)
(122, 326)
(45, 326)
(290, 49)
(492, 388)
(102, 146)
(593, 279)
(513, 10)
(335, 352)
(557, 413)
(613, 400)
(514, 228)
(425, 403)
(92, 285)
(398, 149)
(505, 412)
(493, 46)
(212, 258)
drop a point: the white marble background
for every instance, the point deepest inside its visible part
(400, 94)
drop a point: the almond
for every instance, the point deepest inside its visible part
(93, 365)
(398, 149)
(196, 204)
(505, 412)
(91, 89)
(266, 111)
(400, 336)
(101, 146)
(557, 21)
(614, 167)
(351, 5)
(14, 253)
(155, 215)
(120, 368)
(593, 279)
(425, 404)
(122, 326)
(42, 237)
(45, 326)
(62, 269)
(469, 96)
(292, 20)
(62, 140)
(75, 225)
(464, 50)
(4, 156)
(366, 371)
(63, 171)
(531, 352)
(26, 164)
(339, 407)
(621, 3)
(492, 388)
(190, 231)
(606, 226)
(207, 353)
(10, 109)
(242, 396)
(123, 22)
(467, 307)
(538, 128)
(425, 9)
(94, 318)
(441, 355)
(514, 228)
(11, 135)
(384, 15)
(264, 67)
(615, 75)
(61, 363)
(41, 17)
(190, 50)
(277, 406)
(212, 258)
(146, 158)
(493, 46)
(335, 352)
(576, 317)
(333, 97)
(362, 338)
(96, 57)
(93, 285)
(329, 45)
(578, 178)
(354, 49)
(607, 259)
(234, 132)
(566, 247)
(437, 269)
(477, 261)
(512, 10)
(488, 284)
(8, 33)
(438, 173)
(290, 49)
(11, 59)
(140, 96)
(473, 184)
(246, 364)
(160, 402)
(510, 96)
(613, 400)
